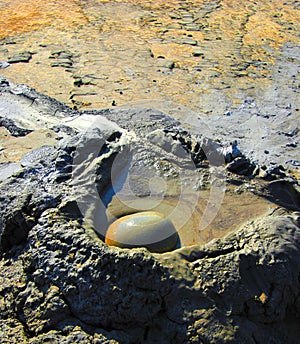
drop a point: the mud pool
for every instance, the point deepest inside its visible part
(197, 220)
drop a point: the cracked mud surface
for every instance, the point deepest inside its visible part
(205, 56)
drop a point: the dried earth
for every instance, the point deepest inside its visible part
(206, 56)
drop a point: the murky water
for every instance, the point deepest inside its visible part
(198, 216)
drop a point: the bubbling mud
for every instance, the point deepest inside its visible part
(148, 229)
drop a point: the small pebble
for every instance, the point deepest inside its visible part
(197, 53)
(189, 42)
(4, 64)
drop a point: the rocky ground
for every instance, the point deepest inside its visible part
(61, 283)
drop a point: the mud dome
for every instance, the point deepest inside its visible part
(61, 282)
(148, 229)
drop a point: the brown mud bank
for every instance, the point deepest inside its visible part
(234, 276)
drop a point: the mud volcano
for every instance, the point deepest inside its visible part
(232, 277)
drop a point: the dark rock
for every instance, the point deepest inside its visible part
(198, 53)
(241, 166)
(273, 172)
(11, 126)
(291, 144)
(3, 81)
(150, 52)
(283, 193)
(62, 63)
(294, 162)
(20, 57)
(61, 54)
(174, 16)
(198, 69)
(189, 42)
(62, 59)
(292, 133)
(80, 81)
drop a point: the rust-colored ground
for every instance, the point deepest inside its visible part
(123, 52)
(18, 17)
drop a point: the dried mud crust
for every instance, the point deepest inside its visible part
(208, 56)
(244, 288)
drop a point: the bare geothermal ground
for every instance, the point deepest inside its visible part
(208, 56)
(223, 166)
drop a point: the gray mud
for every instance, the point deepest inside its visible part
(61, 283)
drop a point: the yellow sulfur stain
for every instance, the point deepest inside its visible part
(28, 15)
